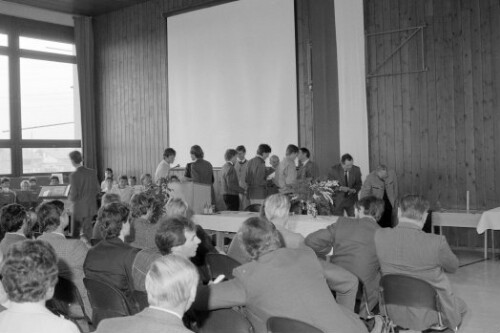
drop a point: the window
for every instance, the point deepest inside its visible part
(40, 121)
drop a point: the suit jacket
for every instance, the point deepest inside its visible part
(84, 189)
(71, 254)
(256, 178)
(307, 171)
(337, 173)
(407, 250)
(202, 172)
(286, 283)
(149, 320)
(9, 239)
(241, 171)
(353, 245)
(111, 261)
(286, 176)
(229, 180)
(375, 186)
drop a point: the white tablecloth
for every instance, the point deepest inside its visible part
(490, 219)
(232, 221)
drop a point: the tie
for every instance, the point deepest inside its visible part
(346, 175)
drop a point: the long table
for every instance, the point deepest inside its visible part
(230, 222)
(490, 220)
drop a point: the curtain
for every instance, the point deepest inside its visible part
(84, 41)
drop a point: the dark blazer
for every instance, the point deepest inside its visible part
(308, 171)
(84, 189)
(111, 261)
(202, 172)
(256, 178)
(352, 241)
(9, 239)
(148, 321)
(355, 182)
(286, 283)
(229, 180)
(406, 249)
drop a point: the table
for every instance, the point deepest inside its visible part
(490, 219)
(458, 219)
(224, 222)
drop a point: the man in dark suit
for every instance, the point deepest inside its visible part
(84, 189)
(351, 242)
(307, 168)
(171, 287)
(407, 250)
(257, 174)
(230, 188)
(349, 177)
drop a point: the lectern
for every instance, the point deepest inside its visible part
(195, 194)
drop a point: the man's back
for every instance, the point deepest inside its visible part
(84, 185)
(202, 172)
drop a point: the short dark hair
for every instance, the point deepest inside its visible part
(263, 149)
(132, 177)
(197, 151)
(171, 233)
(230, 153)
(346, 157)
(111, 218)
(12, 218)
(124, 177)
(109, 170)
(48, 215)
(4, 180)
(76, 156)
(241, 148)
(169, 152)
(372, 206)
(29, 270)
(258, 236)
(292, 149)
(305, 151)
(33, 179)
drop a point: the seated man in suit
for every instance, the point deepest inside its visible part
(171, 287)
(280, 282)
(231, 188)
(7, 196)
(349, 177)
(407, 250)
(53, 219)
(276, 210)
(15, 225)
(111, 260)
(352, 243)
(29, 276)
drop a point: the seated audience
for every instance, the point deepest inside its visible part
(145, 212)
(352, 243)
(7, 196)
(407, 250)
(53, 219)
(29, 276)
(108, 178)
(96, 231)
(15, 225)
(34, 183)
(111, 260)
(4, 299)
(27, 197)
(286, 175)
(146, 181)
(54, 180)
(25, 185)
(171, 287)
(276, 210)
(231, 188)
(126, 192)
(280, 282)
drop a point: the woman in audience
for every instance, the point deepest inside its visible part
(281, 282)
(145, 212)
(29, 276)
(146, 180)
(15, 225)
(53, 219)
(108, 174)
(25, 185)
(96, 231)
(126, 192)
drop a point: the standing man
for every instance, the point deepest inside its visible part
(257, 174)
(241, 167)
(163, 169)
(230, 187)
(382, 184)
(349, 177)
(286, 175)
(84, 189)
(307, 168)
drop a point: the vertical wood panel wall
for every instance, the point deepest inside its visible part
(131, 84)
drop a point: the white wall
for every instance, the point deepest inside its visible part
(353, 115)
(32, 13)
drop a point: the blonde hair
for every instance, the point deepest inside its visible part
(171, 281)
(277, 206)
(177, 207)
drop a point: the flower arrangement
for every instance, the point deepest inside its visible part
(160, 194)
(316, 198)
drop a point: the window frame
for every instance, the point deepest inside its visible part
(14, 28)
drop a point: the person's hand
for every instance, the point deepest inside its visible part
(344, 188)
(352, 191)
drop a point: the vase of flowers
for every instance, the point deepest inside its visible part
(316, 198)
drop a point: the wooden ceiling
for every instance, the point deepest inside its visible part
(79, 7)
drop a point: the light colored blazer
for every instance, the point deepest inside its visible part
(148, 321)
(375, 186)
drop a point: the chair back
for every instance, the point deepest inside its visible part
(288, 325)
(106, 301)
(221, 264)
(254, 208)
(225, 321)
(405, 290)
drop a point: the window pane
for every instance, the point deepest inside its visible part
(4, 98)
(5, 161)
(4, 41)
(42, 45)
(50, 106)
(47, 160)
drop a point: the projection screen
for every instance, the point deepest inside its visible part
(232, 78)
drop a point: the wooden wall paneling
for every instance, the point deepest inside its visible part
(388, 87)
(495, 50)
(382, 52)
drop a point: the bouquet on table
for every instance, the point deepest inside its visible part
(316, 197)
(159, 194)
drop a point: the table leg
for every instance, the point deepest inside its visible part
(493, 244)
(219, 240)
(485, 244)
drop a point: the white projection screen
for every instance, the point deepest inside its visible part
(232, 78)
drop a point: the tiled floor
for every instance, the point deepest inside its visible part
(478, 285)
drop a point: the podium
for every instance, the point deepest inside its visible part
(195, 194)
